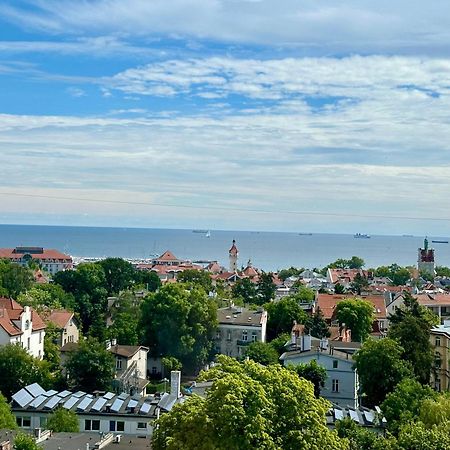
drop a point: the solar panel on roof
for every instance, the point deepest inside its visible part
(123, 395)
(50, 393)
(338, 414)
(35, 390)
(38, 401)
(117, 405)
(22, 398)
(52, 402)
(145, 408)
(369, 416)
(79, 394)
(109, 395)
(70, 402)
(132, 404)
(84, 403)
(64, 394)
(354, 415)
(98, 405)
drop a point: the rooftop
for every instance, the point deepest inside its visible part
(240, 316)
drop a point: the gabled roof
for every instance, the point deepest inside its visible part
(327, 303)
(35, 252)
(60, 317)
(7, 325)
(11, 311)
(127, 351)
(167, 256)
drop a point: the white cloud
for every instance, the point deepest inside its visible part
(364, 25)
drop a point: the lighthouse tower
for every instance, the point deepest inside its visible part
(425, 260)
(233, 254)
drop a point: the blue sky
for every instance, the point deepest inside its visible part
(326, 116)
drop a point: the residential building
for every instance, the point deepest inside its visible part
(21, 325)
(116, 413)
(66, 324)
(342, 385)
(51, 260)
(440, 342)
(344, 277)
(239, 327)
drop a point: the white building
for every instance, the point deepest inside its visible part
(23, 326)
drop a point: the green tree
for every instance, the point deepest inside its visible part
(170, 363)
(46, 296)
(245, 289)
(148, 280)
(281, 316)
(279, 342)
(179, 323)
(249, 407)
(361, 438)
(417, 436)
(339, 289)
(51, 348)
(317, 325)
(355, 262)
(304, 294)
(194, 277)
(411, 325)
(125, 316)
(403, 404)
(18, 369)
(119, 274)
(14, 279)
(359, 284)
(291, 272)
(442, 271)
(262, 353)
(435, 410)
(7, 419)
(380, 367)
(88, 286)
(25, 442)
(63, 420)
(265, 289)
(312, 372)
(358, 315)
(90, 367)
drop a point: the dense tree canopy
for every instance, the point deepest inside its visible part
(90, 367)
(46, 296)
(380, 367)
(312, 372)
(181, 323)
(14, 279)
(119, 274)
(399, 275)
(358, 315)
(281, 316)
(317, 325)
(265, 289)
(291, 272)
(249, 407)
(193, 278)
(245, 290)
(262, 353)
(411, 325)
(18, 369)
(7, 419)
(355, 262)
(125, 315)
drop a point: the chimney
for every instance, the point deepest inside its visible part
(175, 383)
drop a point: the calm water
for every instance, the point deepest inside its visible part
(269, 251)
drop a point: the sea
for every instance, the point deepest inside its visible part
(270, 251)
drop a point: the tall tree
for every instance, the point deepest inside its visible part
(90, 367)
(63, 421)
(281, 316)
(245, 290)
(380, 367)
(180, 323)
(194, 277)
(7, 419)
(411, 326)
(119, 274)
(18, 369)
(262, 353)
(14, 279)
(249, 407)
(265, 289)
(317, 325)
(358, 315)
(46, 296)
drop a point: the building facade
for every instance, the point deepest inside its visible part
(239, 327)
(440, 342)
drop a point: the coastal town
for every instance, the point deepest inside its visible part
(108, 352)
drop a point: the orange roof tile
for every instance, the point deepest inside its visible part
(60, 317)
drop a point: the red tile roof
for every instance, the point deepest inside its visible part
(347, 275)
(60, 317)
(17, 253)
(167, 256)
(12, 311)
(327, 303)
(233, 250)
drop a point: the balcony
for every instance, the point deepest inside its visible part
(242, 343)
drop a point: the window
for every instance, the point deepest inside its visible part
(438, 341)
(28, 343)
(335, 364)
(118, 363)
(228, 335)
(43, 422)
(142, 425)
(116, 426)
(244, 336)
(91, 425)
(218, 334)
(23, 422)
(335, 385)
(27, 325)
(254, 336)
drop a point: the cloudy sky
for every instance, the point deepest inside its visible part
(292, 115)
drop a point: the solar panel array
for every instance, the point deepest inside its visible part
(109, 395)
(68, 404)
(99, 404)
(338, 414)
(117, 404)
(145, 408)
(35, 390)
(38, 401)
(84, 403)
(353, 415)
(22, 398)
(52, 402)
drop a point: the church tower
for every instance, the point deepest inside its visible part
(425, 260)
(233, 254)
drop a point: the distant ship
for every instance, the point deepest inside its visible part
(361, 236)
(208, 234)
(440, 242)
(305, 234)
(200, 231)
